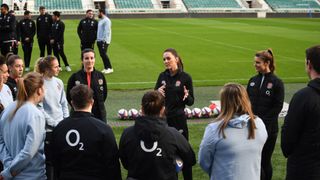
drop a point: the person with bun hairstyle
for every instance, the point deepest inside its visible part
(54, 104)
(266, 93)
(22, 132)
(149, 149)
(176, 86)
(231, 146)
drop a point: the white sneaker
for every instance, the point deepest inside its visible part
(107, 71)
(68, 69)
(27, 69)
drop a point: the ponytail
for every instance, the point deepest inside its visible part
(27, 87)
(267, 56)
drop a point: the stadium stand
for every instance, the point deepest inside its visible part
(59, 4)
(211, 4)
(293, 4)
(133, 4)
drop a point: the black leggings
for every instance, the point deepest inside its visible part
(267, 151)
(180, 123)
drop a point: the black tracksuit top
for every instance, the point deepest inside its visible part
(87, 30)
(149, 148)
(266, 99)
(44, 25)
(27, 29)
(99, 87)
(174, 92)
(57, 32)
(85, 148)
(7, 27)
(300, 136)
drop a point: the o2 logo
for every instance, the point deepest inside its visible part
(154, 147)
(76, 141)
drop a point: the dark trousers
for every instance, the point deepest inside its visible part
(58, 51)
(6, 47)
(86, 45)
(267, 151)
(27, 51)
(180, 123)
(48, 152)
(42, 46)
(103, 48)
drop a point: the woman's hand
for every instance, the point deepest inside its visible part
(162, 91)
(186, 93)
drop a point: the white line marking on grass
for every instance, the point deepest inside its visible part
(207, 40)
(197, 81)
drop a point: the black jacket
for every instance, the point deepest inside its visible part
(13, 87)
(174, 92)
(300, 136)
(57, 32)
(85, 148)
(99, 87)
(7, 27)
(27, 29)
(44, 25)
(267, 100)
(149, 148)
(87, 30)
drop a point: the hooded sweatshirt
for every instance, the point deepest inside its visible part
(148, 150)
(300, 136)
(236, 156)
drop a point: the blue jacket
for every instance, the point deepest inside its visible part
(22, 142)
(236, 156)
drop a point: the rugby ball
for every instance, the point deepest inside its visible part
(123, 114)
(133, 113)
(196, 113)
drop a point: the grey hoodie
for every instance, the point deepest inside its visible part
(236, 156)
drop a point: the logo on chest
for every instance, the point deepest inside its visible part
(178, 83)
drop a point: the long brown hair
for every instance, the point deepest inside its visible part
(234, 100)
(176, 55)
(27, 87)
(267, 56)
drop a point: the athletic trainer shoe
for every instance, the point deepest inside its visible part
(68, 69)
(107, 71)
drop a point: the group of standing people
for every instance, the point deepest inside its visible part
(40, 139)
(50, 35)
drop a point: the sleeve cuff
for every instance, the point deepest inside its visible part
(6, 174)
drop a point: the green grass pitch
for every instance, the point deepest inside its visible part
(214, 51)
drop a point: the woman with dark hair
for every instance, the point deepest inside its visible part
(231, 146)
(22, 132)
(266, 93)
(94, 79)
(150, 149)
(176, 86)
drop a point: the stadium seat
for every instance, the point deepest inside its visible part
(211, 4)
(296, 4)
(133, 4)
(59, 4)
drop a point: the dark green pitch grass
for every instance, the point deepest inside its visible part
(214, 51)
